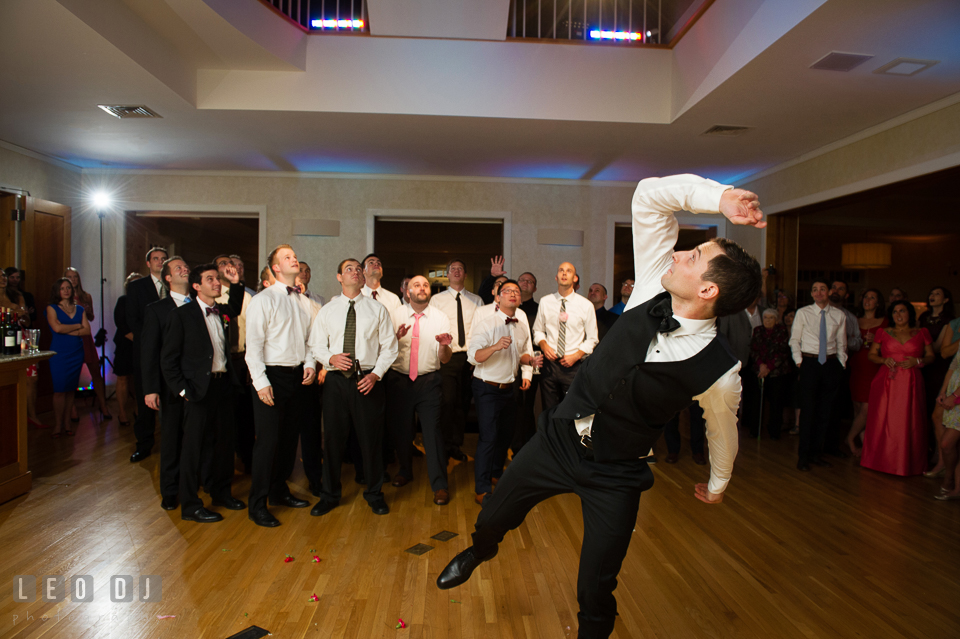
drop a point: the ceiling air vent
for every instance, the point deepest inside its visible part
(838, 61)
(123, 112)
(726, 131)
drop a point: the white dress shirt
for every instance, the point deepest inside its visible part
(655, 232)
(277, 330)
(158, 285)
(315, 297)
(180, 299)
(447, 302)
(376, 343)
(217, 338)
(755, 317)
(581, 332)
(805, 334)
(501, 367)
(488, 310)
(390, 300)
(434, 322)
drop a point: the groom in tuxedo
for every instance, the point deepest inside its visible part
(663, 353)
(196, 364)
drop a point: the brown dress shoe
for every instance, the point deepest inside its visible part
(441, 497)
(699, 459)
(479, 498)
(400, 481)
(672, 458)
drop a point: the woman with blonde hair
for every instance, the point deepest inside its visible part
(90, 357)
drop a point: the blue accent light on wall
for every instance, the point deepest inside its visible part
(622, 36)
(337, 24)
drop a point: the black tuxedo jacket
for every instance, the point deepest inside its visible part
(140, 293)
(151, 338)
(186, 357)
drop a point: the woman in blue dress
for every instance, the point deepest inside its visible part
(67, 321)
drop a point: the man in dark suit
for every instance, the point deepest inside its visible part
(140, 293)
(196, 364)
(157, 394)
(597, 294)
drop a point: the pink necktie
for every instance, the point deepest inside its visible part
(415, 347)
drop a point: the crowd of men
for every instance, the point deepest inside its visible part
(233, 371)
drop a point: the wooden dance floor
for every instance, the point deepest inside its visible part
(838, 552)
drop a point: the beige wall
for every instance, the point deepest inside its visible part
(43, 179)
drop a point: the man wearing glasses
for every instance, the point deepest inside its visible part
(626, 289)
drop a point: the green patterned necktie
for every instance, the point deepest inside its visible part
(350, 337)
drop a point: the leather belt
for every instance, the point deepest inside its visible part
(218, 374)
(500, 386)
(586, 442)
(812, 356)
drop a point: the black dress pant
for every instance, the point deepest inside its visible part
(311, 439)
(145, 426)
(455, 387)
(526, 421)
(171, 442)
(818, 384)
(244, 418)
(496, 412)
(344, 406)
(277, 430)
(212, 414)
(552, 463)
(555, 380)
(671, 431)
(422, 397)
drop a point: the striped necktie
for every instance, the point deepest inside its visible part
(350, 337)
(562, 339)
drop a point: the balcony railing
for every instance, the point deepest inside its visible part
(342, 16)
(637, 22)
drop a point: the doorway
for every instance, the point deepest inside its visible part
(424, 247)
(691, 236)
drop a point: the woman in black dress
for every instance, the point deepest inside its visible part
(123, 354)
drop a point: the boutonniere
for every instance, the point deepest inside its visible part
(226, 321)
(564, 317)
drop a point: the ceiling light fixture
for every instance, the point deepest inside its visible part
(906, 66)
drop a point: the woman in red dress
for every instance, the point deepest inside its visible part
(862, 370)
(895, 440)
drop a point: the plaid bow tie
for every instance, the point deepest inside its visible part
(664, 310)
(511, 320)
(293, 289)
(212, 311)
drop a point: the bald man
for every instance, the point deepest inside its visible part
(566, 332)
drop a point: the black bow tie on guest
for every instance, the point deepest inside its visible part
(212, 311)
(293, 289)
(511, 320)
(665, 310)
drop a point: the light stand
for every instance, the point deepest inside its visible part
(103, 345)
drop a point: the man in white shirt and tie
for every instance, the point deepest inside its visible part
(499, 344)
(566, 332)
(663, 353)
(373, 273)
(282, 371)
(818, 342)
(353, 339)
(459, 305)
(413, 386)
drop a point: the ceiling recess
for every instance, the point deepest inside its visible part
(839, 61)
(721, 130)
(906, 66)
(124, 112)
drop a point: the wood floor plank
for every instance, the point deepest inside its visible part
(839, 552)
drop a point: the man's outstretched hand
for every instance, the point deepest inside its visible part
(703, 494)
(742, 207)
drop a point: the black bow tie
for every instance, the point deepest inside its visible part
(293, 289)
(212, 311)
(664, 310)
(511, 320)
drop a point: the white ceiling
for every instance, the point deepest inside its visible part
(59, 59)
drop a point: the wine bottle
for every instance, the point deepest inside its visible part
(9, 336)
(18, 344)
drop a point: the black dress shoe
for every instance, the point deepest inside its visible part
(138, 456)
(314, 490)
(323, 507)
(360, 480)
(822, 463)
(380, 507)
(457, 454)
(264, 518)
(169, 502)
(803, 466)
(291, 501)
(459, 570)
(201, 515)
(230, 503)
